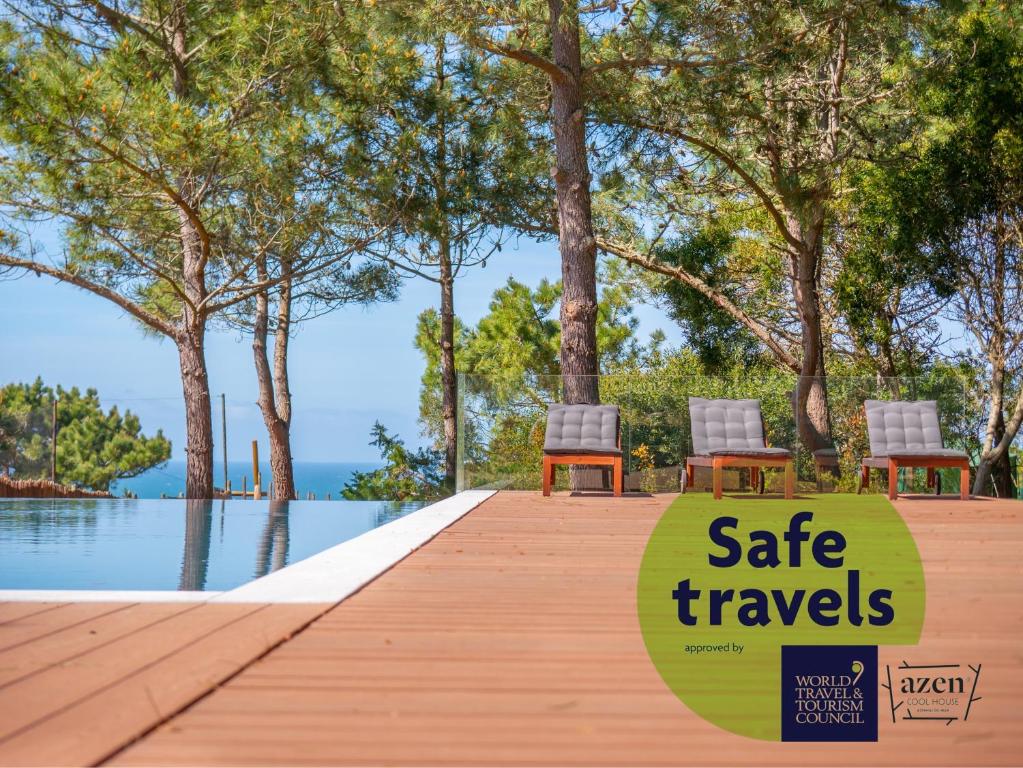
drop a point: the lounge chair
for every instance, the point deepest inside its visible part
(730, 433)
(906, 434)
(584, 435)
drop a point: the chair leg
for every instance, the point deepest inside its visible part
(864, 478)
(964, 483)
(893, 480)
(617, 476)
(690, 475)
(790, 480)
(548, 472)
(930, 477)
(754, 479)
(716, 479)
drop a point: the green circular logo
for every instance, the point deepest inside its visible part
(725, 584)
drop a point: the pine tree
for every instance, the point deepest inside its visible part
(94, 447)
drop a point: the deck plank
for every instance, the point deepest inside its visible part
(512, 639)
(11, 612)
(72, 634)
(36, 626)
(205, 647)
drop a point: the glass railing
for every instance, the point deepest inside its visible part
(337, 440)
(502, 423)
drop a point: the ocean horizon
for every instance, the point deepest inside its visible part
(317, 477)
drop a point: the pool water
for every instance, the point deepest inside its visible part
(170, 544)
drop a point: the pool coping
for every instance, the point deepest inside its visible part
(326, 577)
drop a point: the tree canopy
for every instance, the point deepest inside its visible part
(805, 188)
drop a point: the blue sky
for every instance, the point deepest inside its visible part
(348, 368)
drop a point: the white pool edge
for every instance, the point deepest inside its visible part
(326, 577)
(335, 573)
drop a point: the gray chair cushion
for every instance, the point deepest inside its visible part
(902, 427)
(582, 429)
(726, 426)
(769, 453)
(939, 453)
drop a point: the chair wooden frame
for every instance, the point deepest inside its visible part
(755, 464)
(614, 461)
(931, 463)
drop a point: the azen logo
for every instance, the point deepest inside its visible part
(829, 693)
(943, 693)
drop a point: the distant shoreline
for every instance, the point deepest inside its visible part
(317, 477)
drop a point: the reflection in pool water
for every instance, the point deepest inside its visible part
(170, 544)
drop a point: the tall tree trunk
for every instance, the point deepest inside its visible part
(274, 393)
(448, 379)
(191, 341)
(981, 477)
(814, 410)
(994, 460)
(282, 389)
(884, 360)
(813, 414)
(999, 436)
(998, 472)
(579, 362)
(995, 428)
(805, 220)
(1001, 467)
(198, 420)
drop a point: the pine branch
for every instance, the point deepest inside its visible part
(65, 276)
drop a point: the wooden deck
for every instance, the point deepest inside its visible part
(509, 639)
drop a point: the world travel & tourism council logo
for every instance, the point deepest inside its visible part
(829, 693)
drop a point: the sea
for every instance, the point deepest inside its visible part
(322, 479)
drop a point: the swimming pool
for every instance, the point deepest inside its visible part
(130, 544)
